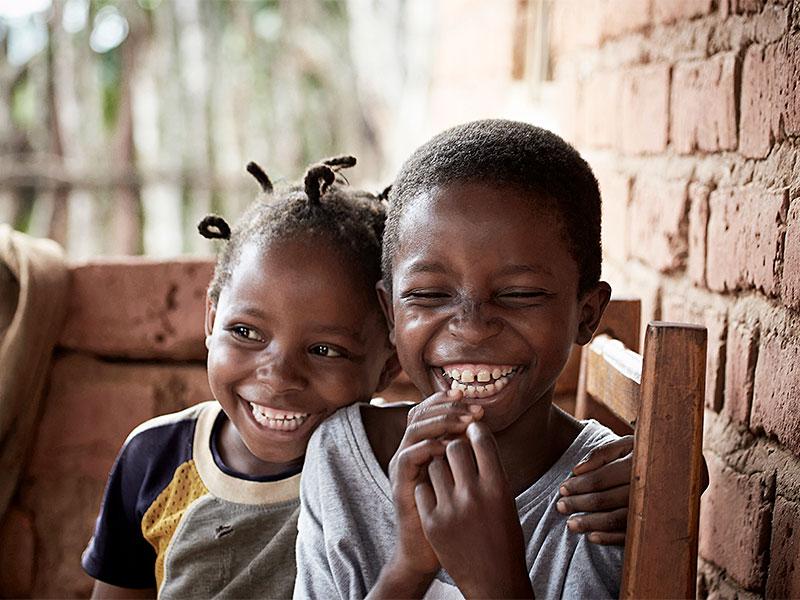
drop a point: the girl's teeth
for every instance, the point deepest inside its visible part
(279, 420)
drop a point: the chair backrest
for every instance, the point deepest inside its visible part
(660, 394)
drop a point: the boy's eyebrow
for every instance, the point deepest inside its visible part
(513, 269)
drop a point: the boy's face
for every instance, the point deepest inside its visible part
(484, 296)
(294, 336)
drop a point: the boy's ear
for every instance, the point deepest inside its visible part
(390, 372)
(385, 299)
(591, 308)
(211, 313)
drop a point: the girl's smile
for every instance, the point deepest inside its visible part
(295, 335)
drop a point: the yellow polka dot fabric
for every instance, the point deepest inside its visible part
(161, 519)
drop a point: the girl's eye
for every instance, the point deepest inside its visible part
(326, 351)
(246, 333)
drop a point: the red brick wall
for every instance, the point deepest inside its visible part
(689, 110)
(132, 348)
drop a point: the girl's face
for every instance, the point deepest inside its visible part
(294, 336)
(485, 298)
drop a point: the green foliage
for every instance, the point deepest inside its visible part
(111, 83)
(23, 103)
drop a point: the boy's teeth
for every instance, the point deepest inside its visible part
(479, 382)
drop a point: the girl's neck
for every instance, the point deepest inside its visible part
(237, 457)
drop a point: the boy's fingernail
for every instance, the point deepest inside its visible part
(563, 491)
(475, 409)
(573, 524)
(453, 393)
(466, 418)
(561, 507)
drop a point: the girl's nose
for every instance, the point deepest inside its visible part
(471, 323)
(280, 374)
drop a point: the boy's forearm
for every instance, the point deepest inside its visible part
(395, 581)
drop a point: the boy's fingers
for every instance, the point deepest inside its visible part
(425, 499)
(446, 405)
(487, 456)
(410, 461)
(613, 521)
(611, 499)
(605, 454)
(611, 475)
(441, 478)
(462, 461)
(435, 427)
(605, 538)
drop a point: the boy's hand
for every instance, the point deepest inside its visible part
(600, 487)
(430, 423)
(470, 518)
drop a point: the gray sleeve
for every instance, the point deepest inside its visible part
(594, 571)
(314, 575)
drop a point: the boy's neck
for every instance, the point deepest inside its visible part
(531, 445)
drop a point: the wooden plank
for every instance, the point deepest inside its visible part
(621, 320)
(661, 546)
(613, 374)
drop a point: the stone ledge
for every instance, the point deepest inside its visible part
(138, 308)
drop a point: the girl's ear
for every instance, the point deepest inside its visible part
(211, 313)
(591, 308)
(385, 299)
(389, 373)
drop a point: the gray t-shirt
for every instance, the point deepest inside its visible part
(346, 529)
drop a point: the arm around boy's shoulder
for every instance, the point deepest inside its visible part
(118, 553)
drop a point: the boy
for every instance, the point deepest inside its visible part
(491, 266)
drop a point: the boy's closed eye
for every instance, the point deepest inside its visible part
(523, 297)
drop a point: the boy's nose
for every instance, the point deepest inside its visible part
(280, 375)
(471, 323)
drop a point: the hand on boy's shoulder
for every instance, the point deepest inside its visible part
(385, 426)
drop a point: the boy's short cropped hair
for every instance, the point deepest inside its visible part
(514, 154)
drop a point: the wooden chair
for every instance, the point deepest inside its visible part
(659, 394)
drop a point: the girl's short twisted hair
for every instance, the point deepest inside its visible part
(324, 206)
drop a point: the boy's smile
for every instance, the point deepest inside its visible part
(485, 297)
(295, 335)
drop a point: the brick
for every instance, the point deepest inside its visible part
(740, 364)
(698, 230)
(615, 190)
(758, 109)
(790, 282)
(678, 308)
(703, 105)
(658, 223)
(138, 308)
(93, 405)
(776, 410)
(669, 11)
(624, 16)
(599, 110)
(783, 580)
(744, 237)
(65, 510)
(735, 515)
(645, 109)
(17, 567)
(570, 33)
(770, 107)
